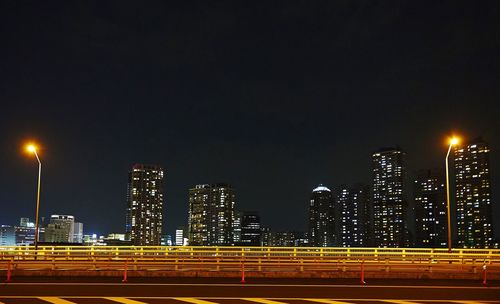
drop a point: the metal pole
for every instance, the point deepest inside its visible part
(37, 201)
(448, 199)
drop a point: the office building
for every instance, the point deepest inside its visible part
(114, 239)
(250, 229)
(265, 236)
(166, 240)
(63, 229)
(473, 195)
(25, 232)
(351, 218)
(288, 239)
(24, 222)
(78, 233)
(430, 209)
(145, 205)
(93, 240)
(211, 213)
(389, 202)
(283, 238)
(321, 218)
(237, 227)
(7, 235)
(181, 238)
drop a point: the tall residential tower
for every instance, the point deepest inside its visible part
(321, 218)
(389, 203)
(145, 205)
(211, 214)
(473, 195)
(352, 220)
(430, 209)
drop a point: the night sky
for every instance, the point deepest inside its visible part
(271, 97)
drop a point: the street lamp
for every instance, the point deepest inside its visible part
(453, 141)
(32, 149)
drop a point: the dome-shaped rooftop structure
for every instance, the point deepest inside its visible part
(321, 188)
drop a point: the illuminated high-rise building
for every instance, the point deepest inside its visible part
(25, 232)
(7, 235)
(265, 236)
(321, 218)
(351, 205)
(250, 229)
(389, 202)
(61, 229)
(211, 214)
(181, 236)
(473, 195)
(145, 205)
(430, 209)
(237, 215)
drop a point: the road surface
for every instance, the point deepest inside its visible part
(204, 291)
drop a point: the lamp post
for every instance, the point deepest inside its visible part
(32, 148)
(453, 141)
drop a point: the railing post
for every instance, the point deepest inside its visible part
(125, 271)
(243, 272)
(362, 277)
(484, 275)
(9, 266)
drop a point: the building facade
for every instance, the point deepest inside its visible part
(144, 220)
(78, 233)
(211, 214)
(321, 218)
(250, 229)
(25, 232)
(389, 201)
(7, 235)
(181, 237)
(237, 227)
(63, 229)
(265, 236)
(473, 195)
(430, 209)
(351, 207)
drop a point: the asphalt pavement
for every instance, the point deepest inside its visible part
(222, 291)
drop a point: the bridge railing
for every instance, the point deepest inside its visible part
(180, 258)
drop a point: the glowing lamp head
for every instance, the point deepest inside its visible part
(454, 141)
(31, 148)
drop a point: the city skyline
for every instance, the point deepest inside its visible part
(273, 99)
(352, 206)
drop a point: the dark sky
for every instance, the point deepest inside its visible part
(272, 97)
